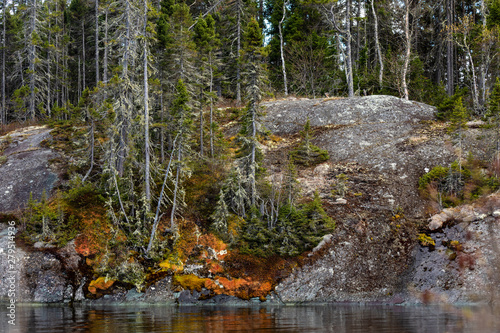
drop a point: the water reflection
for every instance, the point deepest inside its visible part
(327, 318)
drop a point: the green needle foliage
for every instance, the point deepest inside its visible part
(308, 154)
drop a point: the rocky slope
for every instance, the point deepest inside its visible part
(381, 145)
(25, 167)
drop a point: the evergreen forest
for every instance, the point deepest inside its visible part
(139, 94)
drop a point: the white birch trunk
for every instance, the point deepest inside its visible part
(283, 67)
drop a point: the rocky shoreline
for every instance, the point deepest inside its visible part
(381, 144)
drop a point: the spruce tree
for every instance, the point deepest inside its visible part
(207, 41)
(253, 72)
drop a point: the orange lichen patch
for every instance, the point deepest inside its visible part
(188, 238)
(214, 267)
(190, 281)
(212, 242)
(101, 283)
(243, 288)
(94, 237)
(171, 264)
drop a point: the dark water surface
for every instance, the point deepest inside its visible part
(320, 318)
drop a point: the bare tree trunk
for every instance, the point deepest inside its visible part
(162, 131)
(253, 106)
(79, 79)
(49, 62)
(449, 49)
(201, 124)
(83, 56)
(407, 50)
(350, 82)
(32, 59)
(238, 48)
(146, 110)
(347, 40)
(211, 107)
(124, 108)
(157, 218)
(283, 67)
(96, 42)
(484, 59)
(475, 92)
(377, 46)
(92, 141)
(105, 60)
(358, 31)
(176, 186)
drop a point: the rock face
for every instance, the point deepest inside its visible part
(381, 145)
(47, 276)
(464, 264)
(25, 169)
(389, 136)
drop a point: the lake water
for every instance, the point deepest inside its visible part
(321, 318)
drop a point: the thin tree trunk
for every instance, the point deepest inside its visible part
(358, 31)
(449, 49)
(484, 57)
(377, 46)
(79, 79)
(96, 42)
(176, 186)
(83, 55)
(253, 106)
(146, 110)
(105, 60)
(350, 82)
(201, 124)
(211, 107)
(238, 48)
(92, 141)
(162, 131)
(32, 58)
(407, 50)
(156, 220)
(49, 61)
(283, 67)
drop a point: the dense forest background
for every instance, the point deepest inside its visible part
(422, 50)
(148, 85)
